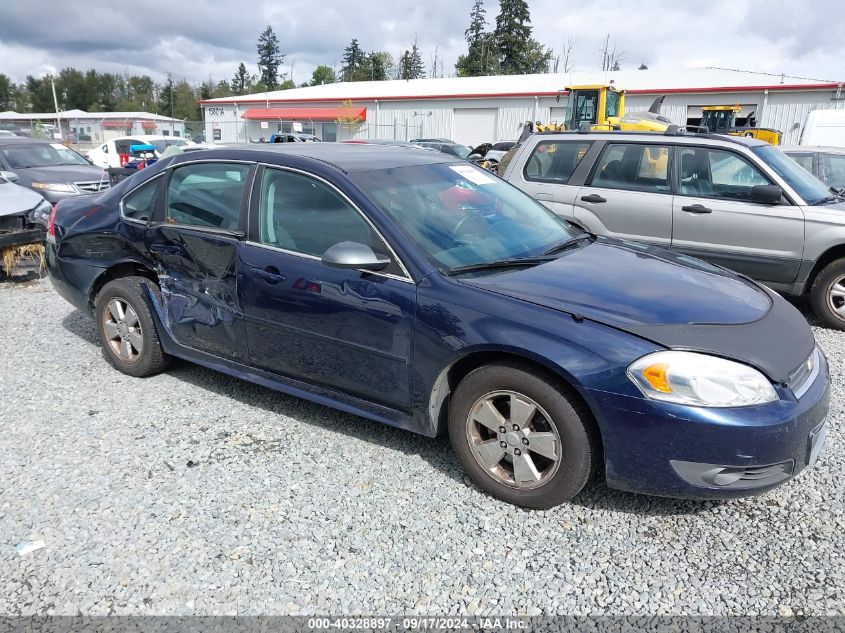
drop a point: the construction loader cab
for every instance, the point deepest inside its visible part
(721, 119)
(594, 105)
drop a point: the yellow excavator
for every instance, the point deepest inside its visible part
(721, 119)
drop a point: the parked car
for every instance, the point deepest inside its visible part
(115, 152)
(733, 201)
(7, 133)
(50, 168)
(825, 163)
(497, 150)
(432, 140)
(23, 213)
(824, 127)
(293, 137)
(420, 291)
(453, 149)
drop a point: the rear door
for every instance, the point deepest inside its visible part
(628, 194)
(194, 238)
(715, 218)
(549, 175)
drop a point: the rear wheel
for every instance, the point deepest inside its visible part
(521, 437)
(828, 295)
(126, 328)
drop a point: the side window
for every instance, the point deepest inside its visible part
(105, 148)
(716, 173)
(304, 215)
(633, 167)
(805, 160)
(139, 204)
(833, 169)
(207, 194)
(554, 161)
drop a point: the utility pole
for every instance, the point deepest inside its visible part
(56, 104)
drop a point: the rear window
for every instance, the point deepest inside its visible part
(554, 161)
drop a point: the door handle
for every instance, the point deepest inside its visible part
(270, 274)
(170, 249)
(544, 196)
(696, 208)
(594, 198)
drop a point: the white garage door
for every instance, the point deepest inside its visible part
(474, 126)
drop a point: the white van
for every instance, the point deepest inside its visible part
(114, 153)
(824, 127)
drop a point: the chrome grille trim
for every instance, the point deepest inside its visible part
(93, 186)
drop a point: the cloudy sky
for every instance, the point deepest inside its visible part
(207, 38)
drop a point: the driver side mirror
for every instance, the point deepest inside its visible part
(9, 176)
(353, 255)
(766, 194)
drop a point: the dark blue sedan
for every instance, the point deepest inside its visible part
(417, 290)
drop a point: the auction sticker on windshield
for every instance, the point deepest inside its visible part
(472, 174)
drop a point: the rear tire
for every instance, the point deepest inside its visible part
(827, 295)
(126, 327)
(549, 448)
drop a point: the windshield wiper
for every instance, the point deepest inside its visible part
(502, 263)
(568, 244)
(825, 200)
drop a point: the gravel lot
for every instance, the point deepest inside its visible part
(192, 492)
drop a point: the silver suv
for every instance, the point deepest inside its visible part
(734, 201)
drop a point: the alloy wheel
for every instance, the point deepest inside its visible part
(836, 297)
(513, 439)
(123, 330)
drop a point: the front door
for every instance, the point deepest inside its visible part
(628, 195)
(195, 240)
(715, 218)
(349, 330)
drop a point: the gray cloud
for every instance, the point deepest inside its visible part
(206, 38)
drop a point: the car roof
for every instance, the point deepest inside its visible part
(824, 149)
(347, 157)
(667, 136)
(23, 140)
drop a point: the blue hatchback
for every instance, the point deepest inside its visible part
(422, 292)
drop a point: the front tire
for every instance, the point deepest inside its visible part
(521, 437)
(126, 328)
(827, 295)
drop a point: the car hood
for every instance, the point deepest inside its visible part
(64, 173)
(671, 299)
(626, 284)
(15, 199)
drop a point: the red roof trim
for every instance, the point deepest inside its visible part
(500, 95)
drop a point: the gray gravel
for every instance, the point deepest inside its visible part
(192, 492)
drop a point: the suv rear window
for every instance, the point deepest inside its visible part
(554, 161)
(633, 167)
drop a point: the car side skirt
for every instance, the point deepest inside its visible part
(300, 389)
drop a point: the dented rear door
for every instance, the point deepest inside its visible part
(194, 240)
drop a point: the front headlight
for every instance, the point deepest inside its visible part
(700, 380)
(41, 213)
(54, 186)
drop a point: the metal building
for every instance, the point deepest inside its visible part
(473, 110)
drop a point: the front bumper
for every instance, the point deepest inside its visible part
(708, 453)
(23, 237)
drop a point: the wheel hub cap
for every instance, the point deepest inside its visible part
(122, 330)
(513, 439)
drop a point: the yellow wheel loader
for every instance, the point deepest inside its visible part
(721, 119)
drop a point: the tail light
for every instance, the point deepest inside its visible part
(51, 225)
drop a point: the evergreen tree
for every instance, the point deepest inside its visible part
(643, 67)
(381, 65)
(7, 93)
(416, 67)
(481, 56)
(513, 37)
(322, 75)
(241, 80)
(353, 62)
(269, 58)
(165, 97)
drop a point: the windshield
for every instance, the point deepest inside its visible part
(40, 155)
(805, 184)
(460, 215)
(456, 150)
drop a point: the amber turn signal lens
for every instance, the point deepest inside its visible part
(656, 376)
